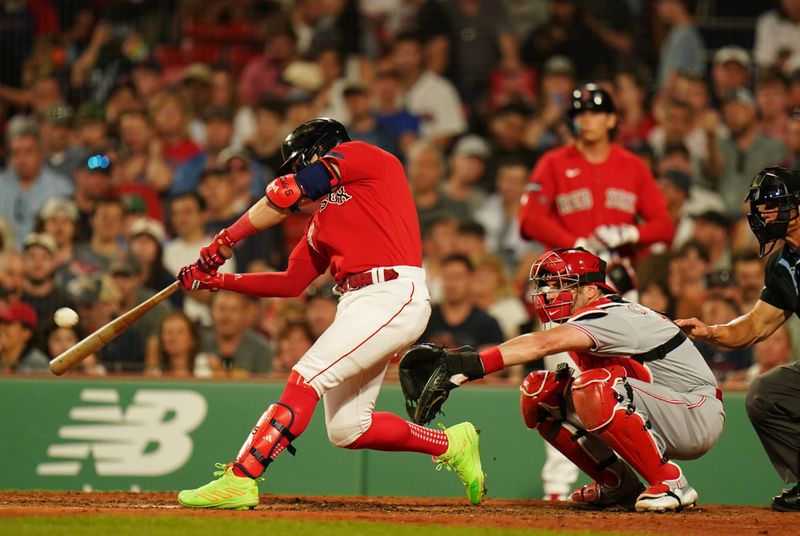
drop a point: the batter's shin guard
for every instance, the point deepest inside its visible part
(615, 419)
(271, 435)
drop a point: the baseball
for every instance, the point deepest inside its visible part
(65, 317)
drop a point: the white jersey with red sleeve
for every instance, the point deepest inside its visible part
(621, 331)
(568, 198)
(369, 220)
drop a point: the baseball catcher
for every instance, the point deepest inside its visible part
(643, 395)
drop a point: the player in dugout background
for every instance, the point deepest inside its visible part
(593, 193)
(365, 231)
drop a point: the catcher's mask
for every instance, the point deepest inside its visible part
(314, 137)
(774, 195)
(556, 273)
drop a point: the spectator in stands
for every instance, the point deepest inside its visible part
(12, 274)
(426, 174)
(142, 162)
(264, 146)
(677, 128)
(683, 48)
(178, 349)
(55, 129)
(90, 125)
(778, 37)
(548, 128)
(687, 269)
(128, 279)
(731, 70)
(292, 343)
(457, 321)
(59, 219)
(218, 124)
(655, 295)
(26, 183)
(106, 243)
(391, 113)
(712, 229)
(467, 166)
(216, 189)
(195, 88)
(146, 246)
(743, 154)
(146, 79)
(794, 89)
(97, 301)
(676, 185)
(793, 142)
(240, 350)
(263, 73)
(121, 99)
(471, 240)
(39, 289)
(635, 119)
(363, 124)
(171, 117)
(493, 293)
(439, 240)
(329, 99)
(320, 310)
(18, 321)
(772, 352)
(772, 96)
(188, 218)
(748, 273)
(722, 362)
(92, 184)
(426, 94)
(60, 339)
(507, 130)
(499, 215)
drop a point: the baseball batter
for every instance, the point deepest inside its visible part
(593, 193)
(365, 232)
(644, 395)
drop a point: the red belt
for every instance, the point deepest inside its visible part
(718, 395)
(365, 279)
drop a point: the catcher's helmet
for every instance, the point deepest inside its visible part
(314, 137)
(591, 97)
(774, 195)
(556, 272)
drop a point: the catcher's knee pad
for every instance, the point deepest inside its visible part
(271, 435)
(542, 394)
(594, 397)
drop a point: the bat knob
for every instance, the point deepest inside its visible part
(226, 251)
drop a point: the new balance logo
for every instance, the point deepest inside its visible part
(148, 438)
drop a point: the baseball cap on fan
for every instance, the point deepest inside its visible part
(42, 240)
(732, 53)
(472, 145)
(741, 95)
(19, 312)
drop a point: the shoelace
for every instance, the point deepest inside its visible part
(440, 463)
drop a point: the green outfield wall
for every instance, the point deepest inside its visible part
(73, 434)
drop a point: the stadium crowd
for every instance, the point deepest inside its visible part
(136, 130)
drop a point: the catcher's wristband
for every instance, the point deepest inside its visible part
(492, 360)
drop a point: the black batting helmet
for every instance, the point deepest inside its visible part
(314, 137)
(591, 97)
(774, 196)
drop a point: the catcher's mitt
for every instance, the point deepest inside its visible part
(425, 372)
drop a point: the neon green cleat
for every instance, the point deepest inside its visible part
(464, 458)
(226, 492)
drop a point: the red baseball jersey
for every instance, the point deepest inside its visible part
(569, 197)
(369, 220)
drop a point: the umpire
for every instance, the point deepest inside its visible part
(773, 403)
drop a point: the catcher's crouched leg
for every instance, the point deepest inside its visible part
(603, 409)
(543, 406)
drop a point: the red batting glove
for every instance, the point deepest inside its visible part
(193, 278)
(210, 258)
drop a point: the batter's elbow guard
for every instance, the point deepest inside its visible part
(284, 192)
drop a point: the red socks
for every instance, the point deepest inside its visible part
(492, 360)
(391, 433)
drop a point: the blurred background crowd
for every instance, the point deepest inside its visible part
(134, 130)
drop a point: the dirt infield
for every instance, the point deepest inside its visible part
(705, 520)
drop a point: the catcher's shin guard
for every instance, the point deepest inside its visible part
(614, 418)
(271, 435)
(543, 395)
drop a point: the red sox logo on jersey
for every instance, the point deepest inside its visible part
(582, 199)
(337, 197)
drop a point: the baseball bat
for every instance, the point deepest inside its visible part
(94, 342)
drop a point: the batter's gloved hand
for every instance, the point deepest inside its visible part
(192, 277)
(614, 236)
(211, 256)
(428, 373)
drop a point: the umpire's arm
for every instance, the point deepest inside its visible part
(756, 325)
